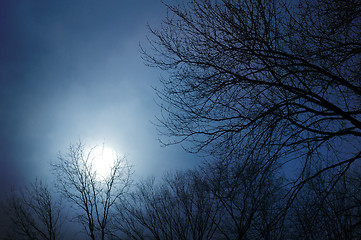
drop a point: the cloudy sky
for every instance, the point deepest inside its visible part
(72, 70)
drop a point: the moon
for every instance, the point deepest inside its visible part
(103, 158)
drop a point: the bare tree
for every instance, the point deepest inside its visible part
(272, 78)
(219, 201)
(179, 207)
(34, 213)
(319, 214)
(94, 196)
(249, 198)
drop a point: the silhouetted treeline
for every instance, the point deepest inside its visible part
(222, 201)
(219, 200)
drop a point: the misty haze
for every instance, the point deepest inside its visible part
(195, 119)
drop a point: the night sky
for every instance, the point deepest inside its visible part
(72, 70)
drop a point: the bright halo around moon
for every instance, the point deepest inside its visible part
(103, 159)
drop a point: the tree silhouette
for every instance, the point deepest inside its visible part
(320, 214)
(249, 199)
(275, 79)
(34, 213)
(217, 201)
(178, 207)
(93, 196)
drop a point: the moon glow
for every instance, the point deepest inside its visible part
(103, 159)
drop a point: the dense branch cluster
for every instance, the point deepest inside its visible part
(266, 78)
(222, 202)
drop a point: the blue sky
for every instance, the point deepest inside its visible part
(72, 70)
